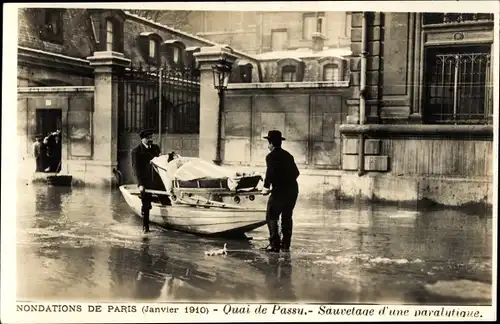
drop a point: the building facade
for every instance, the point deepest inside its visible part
(270, 31)
(60, 78)
(404, 113)
(416, 122)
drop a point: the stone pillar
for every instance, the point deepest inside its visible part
(209, 99)
(105, 119)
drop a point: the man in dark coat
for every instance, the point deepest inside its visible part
(142, 155)
(281, 177)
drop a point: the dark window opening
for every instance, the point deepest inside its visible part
(52, 30)
(289, 74)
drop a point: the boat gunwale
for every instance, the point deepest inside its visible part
(201, 207)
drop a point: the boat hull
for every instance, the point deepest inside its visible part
(197, 220)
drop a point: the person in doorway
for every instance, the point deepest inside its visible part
(281, 183)
(57, 150)
(38, 153)
(47, 144)
(142, 155)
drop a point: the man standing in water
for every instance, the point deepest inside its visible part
(142, 154)
(281, 177)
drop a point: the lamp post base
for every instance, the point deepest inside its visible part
(217, 161)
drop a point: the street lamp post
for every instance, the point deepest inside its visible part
(221, 72)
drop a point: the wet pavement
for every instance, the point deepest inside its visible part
(85, 244)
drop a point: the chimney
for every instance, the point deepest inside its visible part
(318, 41)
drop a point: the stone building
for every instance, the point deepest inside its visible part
(290, 46)
(404, 113)
(415, 122)
(272, 31)
(66, 58)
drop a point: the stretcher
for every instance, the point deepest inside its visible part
(185, 177)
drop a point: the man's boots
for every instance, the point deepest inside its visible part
(274, 237)
(145, 221)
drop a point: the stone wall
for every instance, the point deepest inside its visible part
(77, 32)
(33, 76)
(309, 119)
(76, 105)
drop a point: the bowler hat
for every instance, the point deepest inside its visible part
(146, 132)
(274, 135)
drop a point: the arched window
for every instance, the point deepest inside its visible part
(332, 69)
(289, 73)
(149, 44)
(290, 70)
(331, 72)
(175, 52)
(107, 29)
(109, 35)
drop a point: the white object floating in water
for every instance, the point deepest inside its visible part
(466, 289)
(217, 252)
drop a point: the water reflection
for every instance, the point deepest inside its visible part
(279, 278)
(151, 277)
(86, 243)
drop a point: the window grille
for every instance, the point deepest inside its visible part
(458, 86)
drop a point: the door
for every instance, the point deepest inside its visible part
(49, 121)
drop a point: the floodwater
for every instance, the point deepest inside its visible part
(85, 244)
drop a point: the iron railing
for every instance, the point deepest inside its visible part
(180, 100)
(459, 88)
(449, 17)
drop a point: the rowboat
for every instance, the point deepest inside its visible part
(197, 215)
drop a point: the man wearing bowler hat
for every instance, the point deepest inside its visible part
(281, 182)
(142, 155)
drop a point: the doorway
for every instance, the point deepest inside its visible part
(49, 121)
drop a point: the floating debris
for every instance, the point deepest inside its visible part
(217, 252)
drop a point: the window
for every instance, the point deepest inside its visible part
(311, 23)
(279, 39)
(109, 35)
(176, 55)
(53, 25)
(458, 85)
(331, 72)
(245, 73)
(289, 74)
(152, 48)
(149, 44)
(319, 25)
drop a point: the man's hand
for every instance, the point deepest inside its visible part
(141, 189)
(265, 191)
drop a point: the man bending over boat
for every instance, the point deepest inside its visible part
(281, 176)
(142, 154)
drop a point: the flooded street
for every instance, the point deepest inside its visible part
(85, 244)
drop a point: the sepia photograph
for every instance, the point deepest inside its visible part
(253, 156)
